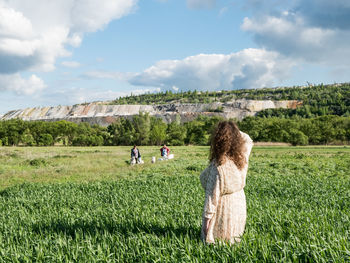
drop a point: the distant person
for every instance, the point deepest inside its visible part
(164, 152)
(135, 156)
(224, 214)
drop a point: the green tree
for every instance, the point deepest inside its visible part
(45, 140)
(5, 141)
(80, 140)
(27, 138)
(196, 133)
(298, 138)
(176, 134)
(142, 126)
(158, 131)
(14, 130)
(122, 132)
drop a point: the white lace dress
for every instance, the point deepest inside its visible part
(225, 203)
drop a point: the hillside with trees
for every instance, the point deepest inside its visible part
(323, 118)
(317, 100)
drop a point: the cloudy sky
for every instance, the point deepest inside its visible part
(63, 52)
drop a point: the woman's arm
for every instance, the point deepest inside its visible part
(248, 148)
(212, 195)
(248, 143)
(206, 224)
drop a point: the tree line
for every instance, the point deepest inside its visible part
(144, 129)
(327, 129)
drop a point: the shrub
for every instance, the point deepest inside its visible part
(5, 141)
(45, 140)
(38, 162)
(298, 138)
(28, 140)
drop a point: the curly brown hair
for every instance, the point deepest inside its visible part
(227, 141)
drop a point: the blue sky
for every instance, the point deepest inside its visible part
(72, 51)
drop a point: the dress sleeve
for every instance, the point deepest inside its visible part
(248, 148)
(204, 177)
(212, 195)
(248, 144)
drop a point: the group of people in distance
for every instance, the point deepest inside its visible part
(136, 155)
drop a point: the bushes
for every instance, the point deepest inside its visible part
(28, 139)
(89, 140)
(298, 131)
(5, 141)
(45, 140)
(158, 131)
(196, 133)
(298, 138)
(38, 162)
(40, 133)
(176, 134)
(148, 130)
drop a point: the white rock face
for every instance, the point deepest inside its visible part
(97, 113)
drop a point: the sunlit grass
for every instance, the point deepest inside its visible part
(89, 205)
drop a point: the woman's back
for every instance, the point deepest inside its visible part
(232, 178)
(225, 204)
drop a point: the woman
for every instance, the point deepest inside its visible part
(164, 151)
(224, 213)
(135, 156)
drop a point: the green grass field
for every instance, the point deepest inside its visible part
(70, 204)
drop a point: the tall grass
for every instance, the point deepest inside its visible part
(298, 207)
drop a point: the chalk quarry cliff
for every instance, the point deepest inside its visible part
(103, 114)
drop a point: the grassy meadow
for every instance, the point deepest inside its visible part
(76, 204)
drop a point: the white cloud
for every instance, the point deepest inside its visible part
(92, 15)
(249, 68)
(14, 82)
(22, 28)
(71, 64)
(196, 4)
(34, 33)
(310, 31)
